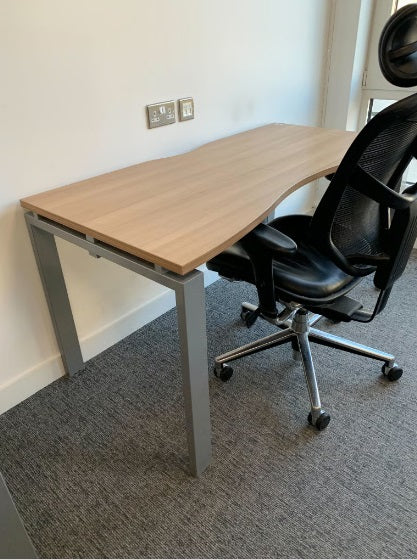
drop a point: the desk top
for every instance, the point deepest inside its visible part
(180, 211)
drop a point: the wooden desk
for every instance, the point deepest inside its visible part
(165, 217)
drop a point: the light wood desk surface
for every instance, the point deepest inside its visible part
(180, 211)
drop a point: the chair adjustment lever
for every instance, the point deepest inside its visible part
(249, 317)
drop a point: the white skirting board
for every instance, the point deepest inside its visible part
(40, 375)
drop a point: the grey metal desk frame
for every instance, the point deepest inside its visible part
(14, 541)
(190, 300)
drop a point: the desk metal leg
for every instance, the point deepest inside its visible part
(191, 311)
(14, 541)
(50, 271)
(190, 298)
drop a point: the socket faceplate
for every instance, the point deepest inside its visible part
(160, 114)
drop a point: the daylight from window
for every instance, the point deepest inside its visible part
(402, 3)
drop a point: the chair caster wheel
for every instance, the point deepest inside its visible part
(248, 317)
(392, 373)
(244, 313)
(321, 422)
(223, 372)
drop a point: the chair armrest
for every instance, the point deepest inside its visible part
(375, 189)
(262, 244)
(412, 190)
(267, 238)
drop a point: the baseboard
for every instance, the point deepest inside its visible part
(30, 382)
(39, 376)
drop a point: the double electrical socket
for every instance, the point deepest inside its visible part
(160, 114)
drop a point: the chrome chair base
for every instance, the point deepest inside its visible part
(298, 329)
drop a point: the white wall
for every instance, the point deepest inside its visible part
(350, 27)
(75, 78)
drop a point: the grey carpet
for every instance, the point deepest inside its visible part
(97, 464)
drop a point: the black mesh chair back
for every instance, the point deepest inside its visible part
(363, 222)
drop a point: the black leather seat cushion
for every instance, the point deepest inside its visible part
(304, 276)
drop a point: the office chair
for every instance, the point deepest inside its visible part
(363, 225)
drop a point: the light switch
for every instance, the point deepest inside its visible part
(186, 108)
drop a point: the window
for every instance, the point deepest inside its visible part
(402, 3)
